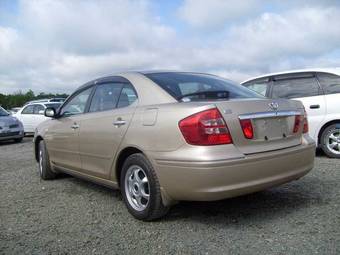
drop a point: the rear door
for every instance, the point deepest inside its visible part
(104, 126)
(305, 88)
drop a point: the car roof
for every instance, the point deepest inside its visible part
(335, 70)
(144, 72)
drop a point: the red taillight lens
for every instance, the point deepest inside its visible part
(247, 128)
(297, 123)
(205, 128)
(305, 124)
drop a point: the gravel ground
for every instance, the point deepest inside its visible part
(68, 216)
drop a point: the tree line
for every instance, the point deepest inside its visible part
(19, 98)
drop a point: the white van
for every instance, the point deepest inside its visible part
(318, 90)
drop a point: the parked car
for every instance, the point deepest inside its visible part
(10, 127)
(32, 115)
(13, 110)
(319, 91)
(163, 137)
(47, 100)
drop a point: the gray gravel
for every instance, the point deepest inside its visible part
(68, 216)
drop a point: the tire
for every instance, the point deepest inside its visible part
(330, 141)
(45, 170)
(18, 140)
(135, 190)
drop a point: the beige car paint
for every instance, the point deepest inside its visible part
(185, 172)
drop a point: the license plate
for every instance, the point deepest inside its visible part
(271, 128)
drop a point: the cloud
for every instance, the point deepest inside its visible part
(214, 14)
(58, 45)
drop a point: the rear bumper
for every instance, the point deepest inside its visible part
(215, 180)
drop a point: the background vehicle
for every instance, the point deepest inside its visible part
(163, 137)
(14, 110)
(319, 91)
(32, 115)
(47, 100)
(10, 127)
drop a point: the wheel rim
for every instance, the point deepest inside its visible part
(333, 141)
(40, 161)
(137, 188)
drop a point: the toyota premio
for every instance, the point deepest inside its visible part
(163, 137)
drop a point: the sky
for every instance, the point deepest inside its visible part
(57, 45)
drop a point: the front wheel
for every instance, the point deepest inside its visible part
(140, 189)
(45, 170)
(330, 141)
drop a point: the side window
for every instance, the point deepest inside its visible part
(329, 82)
(106, 97)
(38, 109)
(28, 110)
(260, 86)
(127, 96)
(295, 88)
(77, 104)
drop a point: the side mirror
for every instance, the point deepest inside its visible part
(50, 112)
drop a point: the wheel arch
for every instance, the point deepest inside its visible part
(325, 126)
(36, 147)
(122, 156)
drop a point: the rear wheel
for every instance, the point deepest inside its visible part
(330, 141)
(45, 169)
(140, 189)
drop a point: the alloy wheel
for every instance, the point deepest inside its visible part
(137, 188)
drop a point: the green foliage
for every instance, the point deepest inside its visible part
(19, 98)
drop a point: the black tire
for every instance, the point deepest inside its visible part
(154, 208)
(45, 170)
(18, 140)
(325, 140)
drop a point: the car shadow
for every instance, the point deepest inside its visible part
(12, 142)
(264, 205)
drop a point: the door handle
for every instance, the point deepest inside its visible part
(314, 106)
(119, 122)
(75, 126)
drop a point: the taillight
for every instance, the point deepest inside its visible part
(299, 119)
(247, 128)
(305, 123)
(297, 123)
(205, 128)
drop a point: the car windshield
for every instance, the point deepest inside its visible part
(3, 112)
(54, 105)
(197, 87)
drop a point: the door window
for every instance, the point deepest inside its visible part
(127, 96)
(28, 109)
(259, 86)
(106, 97)
(38, 109)
(295, 87)
(77, 104)
(329, 82)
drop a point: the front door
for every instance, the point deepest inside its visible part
(62, 138)
(104, 126)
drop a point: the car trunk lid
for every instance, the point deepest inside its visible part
(272, 123)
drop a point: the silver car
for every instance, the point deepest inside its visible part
(10, 127)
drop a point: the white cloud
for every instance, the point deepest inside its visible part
(214, 14)
(58, 45)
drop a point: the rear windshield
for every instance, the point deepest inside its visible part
(3, 112)
(196, 87)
